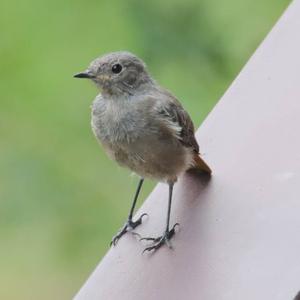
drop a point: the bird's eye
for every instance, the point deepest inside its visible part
(117, 68)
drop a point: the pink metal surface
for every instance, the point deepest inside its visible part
(240, 233)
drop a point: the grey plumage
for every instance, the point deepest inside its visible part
(140, 124)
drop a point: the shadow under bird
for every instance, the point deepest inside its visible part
(143, 127)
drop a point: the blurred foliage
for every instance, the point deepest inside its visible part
(61, 199)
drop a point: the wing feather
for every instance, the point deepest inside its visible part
(179, 120)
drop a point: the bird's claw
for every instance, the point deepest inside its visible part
(161, 240)
(128, 226)
(132, 225)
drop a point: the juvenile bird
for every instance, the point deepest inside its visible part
(143, 127)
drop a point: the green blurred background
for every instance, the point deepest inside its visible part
(61, 199)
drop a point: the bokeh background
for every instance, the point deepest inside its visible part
(61, 199)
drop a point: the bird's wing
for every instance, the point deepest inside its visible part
(178, 120)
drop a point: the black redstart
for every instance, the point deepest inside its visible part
(143, 127)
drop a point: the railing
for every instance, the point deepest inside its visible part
(240, 232)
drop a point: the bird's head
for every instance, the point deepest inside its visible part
(117, 73)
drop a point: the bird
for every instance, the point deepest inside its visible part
(144, 128)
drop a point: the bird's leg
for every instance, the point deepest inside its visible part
(130, 224)
(168, 234)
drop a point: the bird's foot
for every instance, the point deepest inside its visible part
(128, 226)
(161, 240)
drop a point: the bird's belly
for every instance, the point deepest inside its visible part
(148, 151)
(151, 157)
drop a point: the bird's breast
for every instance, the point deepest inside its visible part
(138, 141)
(116, 124)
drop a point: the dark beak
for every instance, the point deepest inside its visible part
(84, 75)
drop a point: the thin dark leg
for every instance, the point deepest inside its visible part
(169, 205)
(129, 225)
(135, 198)
(168, 234)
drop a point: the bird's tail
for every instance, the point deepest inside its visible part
(201, 165)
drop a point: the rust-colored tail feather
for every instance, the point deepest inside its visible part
(201, 165)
